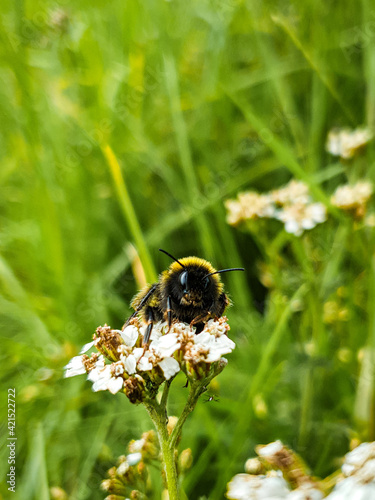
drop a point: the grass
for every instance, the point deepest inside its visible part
(125, 126)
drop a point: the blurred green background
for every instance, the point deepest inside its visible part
(125, 125)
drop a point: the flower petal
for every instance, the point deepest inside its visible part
(86, 347)
(130, 335)
(130, 364)
(115, 384)
(74, 367)
(170, 367)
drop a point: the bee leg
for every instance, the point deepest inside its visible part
(142, 303)
(150, 324)
(223, 303)
(200, 318)
(169, 313)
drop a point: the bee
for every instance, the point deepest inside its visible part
(190, 291)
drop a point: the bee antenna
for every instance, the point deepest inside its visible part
(171, 256)
(226, 270)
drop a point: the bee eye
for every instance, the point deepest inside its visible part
(206, 281)
(183, 279)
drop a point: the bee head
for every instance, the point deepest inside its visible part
(192, 281)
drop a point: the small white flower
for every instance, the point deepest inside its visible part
(305, 492)
(143, 364)
(123, 468)
(235, 212)
(118, 369)
(293, 192)
(346, 142)
(250, 205)
(129, 335)
(366, 473)
(138, 353)
(299, 217)
(74, 367)
(356, 460)
(137, 445)
(349, 197)
(130, 364)
(134, 458)
(170, 367)
(247, 487)
(115, 384)
(100, 378)
(87, 347)
(270, 449)
(166, 345)
(216, 346)
(351, 489)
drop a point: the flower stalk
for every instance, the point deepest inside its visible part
(123, 364)
(158, 416)
(169, 442)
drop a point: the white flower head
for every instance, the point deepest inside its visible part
(135, 370)
(354, 197)
(299, 217)
(269, 450)
(351, 489)
(166, 345)
(293, 192)
(355, 460)
(346, 142)
(248, 487)
(249, 205)
(219, 347)
(305, 492)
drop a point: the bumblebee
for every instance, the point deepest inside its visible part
(189, 291)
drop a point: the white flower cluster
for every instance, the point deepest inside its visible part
(353, 198)
(291, 204)
(248, 487)
(132, 366)
(292, 481)
(359, 475)
(262, 482)
(271, 486)
(249, 205)
(346, 142)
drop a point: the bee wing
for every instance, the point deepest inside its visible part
(142, 297)
(140, 300)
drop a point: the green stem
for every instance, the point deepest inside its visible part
(158, 415)
(196, 390)
(164, 397)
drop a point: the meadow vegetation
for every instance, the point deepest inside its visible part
(125, 127)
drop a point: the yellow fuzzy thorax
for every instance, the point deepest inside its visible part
(192, 262)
